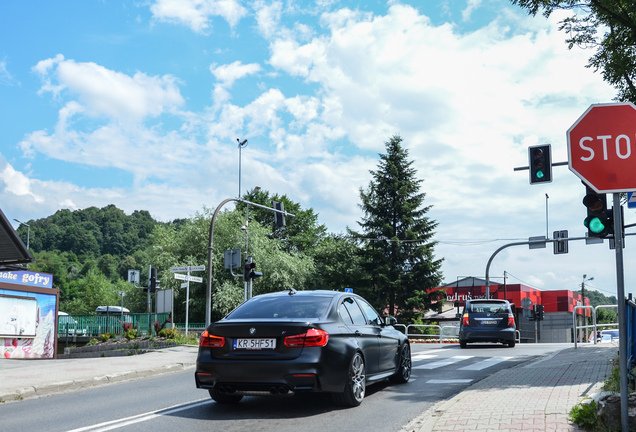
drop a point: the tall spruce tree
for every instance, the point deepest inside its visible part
(396, 238)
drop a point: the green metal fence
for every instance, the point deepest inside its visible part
(94, 325)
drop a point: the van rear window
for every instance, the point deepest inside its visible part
(488, 307)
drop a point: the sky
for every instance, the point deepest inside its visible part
(141, 104)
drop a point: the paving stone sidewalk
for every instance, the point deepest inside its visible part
(531, 397)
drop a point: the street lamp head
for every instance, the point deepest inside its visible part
(22, 223)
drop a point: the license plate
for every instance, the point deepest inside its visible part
(254, 344)
(489, 322)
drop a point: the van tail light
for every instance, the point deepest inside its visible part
(211, 341)
(313, 337)
(465, 320)
(511, 320)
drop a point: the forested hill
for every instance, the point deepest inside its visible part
(91, 232)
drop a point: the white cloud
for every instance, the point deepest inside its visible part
(268, 17)
(196, 14)
(471, 6)
(466, 104)
(16, 183)
(109, 93)
(5, 76)
(229, 73)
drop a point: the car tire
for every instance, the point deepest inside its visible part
(403, 372)
(224, 398)
(355, 387)
(511, 344)
(462, 344)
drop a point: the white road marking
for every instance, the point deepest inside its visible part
(442, 363)
(422, 356)
(126, 421)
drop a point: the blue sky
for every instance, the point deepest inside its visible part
(139, 104)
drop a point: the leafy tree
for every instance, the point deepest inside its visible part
(302, 232)
(397, 237)
(96, 291)
(603, 315)
(338, 264)
(186, 243)
(62, 265)
(607, 25)
(91, 232)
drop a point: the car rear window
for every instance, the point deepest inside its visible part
(488, 307)
(283, 306)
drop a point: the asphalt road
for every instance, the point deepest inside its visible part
(172, 403)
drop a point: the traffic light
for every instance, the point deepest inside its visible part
(279, 218)
(538, 312)
(600, 220)
(250, 272)
(540, 163)
(153, 280)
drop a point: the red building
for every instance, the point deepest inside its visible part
(558, 307)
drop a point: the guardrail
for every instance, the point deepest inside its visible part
(442, 330)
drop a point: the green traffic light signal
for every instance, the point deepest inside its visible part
(595, 225)
(600, 219)
(540, 163)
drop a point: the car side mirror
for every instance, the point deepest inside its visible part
(389, 321)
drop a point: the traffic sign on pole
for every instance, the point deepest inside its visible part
(600, 147)
(180, 276)
(600, 154)
(187, 268)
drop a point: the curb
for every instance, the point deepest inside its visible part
(67, 386)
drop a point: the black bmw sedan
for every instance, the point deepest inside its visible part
(301, 341)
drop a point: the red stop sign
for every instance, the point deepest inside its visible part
(602, 147)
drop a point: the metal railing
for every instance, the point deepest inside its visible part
(594, 325)
(443, 332)
(94, 325)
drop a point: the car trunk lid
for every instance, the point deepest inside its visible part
(260, 340)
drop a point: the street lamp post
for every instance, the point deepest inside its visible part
(28, 234)
(28, 230)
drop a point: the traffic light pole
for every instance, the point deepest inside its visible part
(208, 291)
(533, 241)
(620, 291)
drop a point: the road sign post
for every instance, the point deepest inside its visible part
(600, 154)
(187, 278)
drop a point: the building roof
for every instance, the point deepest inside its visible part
(12, 249)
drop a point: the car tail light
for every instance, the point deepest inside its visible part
(313, 337)
(211, 341)
(465, 320)
(511, 320)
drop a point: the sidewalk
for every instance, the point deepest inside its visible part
(532, 397)
(22, 379)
